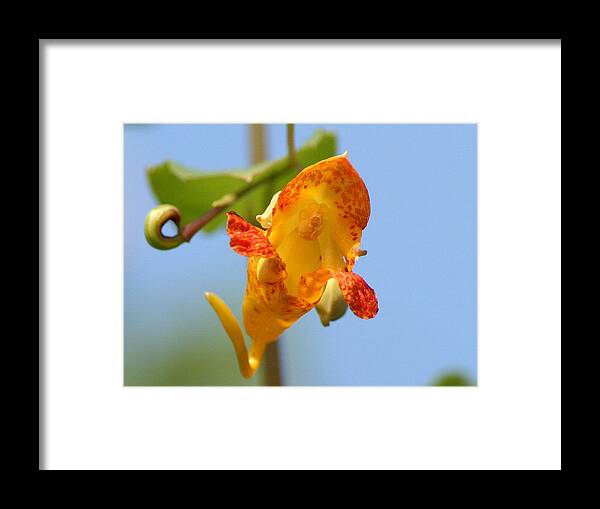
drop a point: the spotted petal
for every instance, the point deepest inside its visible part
(246, 239)
(318, 219)
(358, 294)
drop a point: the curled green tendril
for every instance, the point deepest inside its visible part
(154, 223)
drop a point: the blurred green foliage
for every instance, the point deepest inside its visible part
(452, 379)
(193, 358)
(193, 192)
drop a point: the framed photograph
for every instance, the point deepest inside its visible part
(284, 248)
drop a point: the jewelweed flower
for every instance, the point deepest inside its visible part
(310, 241)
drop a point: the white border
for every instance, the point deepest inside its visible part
(512, 420)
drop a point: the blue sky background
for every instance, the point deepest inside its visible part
(421, 242)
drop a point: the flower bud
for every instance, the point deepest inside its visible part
(332, 304)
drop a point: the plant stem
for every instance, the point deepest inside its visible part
(258, 143)
(291, 146)
(258, 153)
(190, 229)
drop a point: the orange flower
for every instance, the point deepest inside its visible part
(313, 229)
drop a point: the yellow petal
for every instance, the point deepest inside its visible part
(268, 308)
(302, 256)
(327, 203)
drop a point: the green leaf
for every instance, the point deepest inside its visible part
(193, 192)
